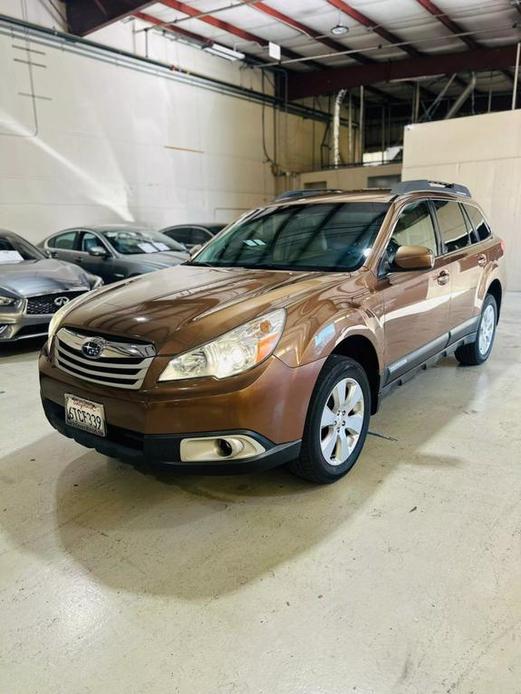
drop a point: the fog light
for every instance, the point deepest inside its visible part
(210, 448)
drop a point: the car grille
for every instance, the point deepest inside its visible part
(120, 364)
(47, 304)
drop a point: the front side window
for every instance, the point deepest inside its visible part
(318, 236)
(64, 241)
(89, 240)
(453, 228)
(481, 227)
(413, 228)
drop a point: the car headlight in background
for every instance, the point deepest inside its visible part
(9, 300)
(95, 281)
(232, 353)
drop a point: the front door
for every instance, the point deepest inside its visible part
(416, 303)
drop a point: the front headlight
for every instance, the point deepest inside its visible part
(231, 353)
(8, 300)
(60, 314)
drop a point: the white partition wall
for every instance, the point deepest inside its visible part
(86, 138)
(484, 153)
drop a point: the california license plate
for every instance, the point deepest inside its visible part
(85, 414)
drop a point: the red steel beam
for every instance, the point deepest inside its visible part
(451, 25)
(229, 28)
(370, 24)
(203, 40)
(316, 35)
(329, 81)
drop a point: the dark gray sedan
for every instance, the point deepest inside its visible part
(115, 251)
(33, 287)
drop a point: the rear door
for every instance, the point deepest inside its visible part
(466, 262)
(63, 246)
(416, 302)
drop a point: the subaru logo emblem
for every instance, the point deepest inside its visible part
(93, 347)
(61, 301)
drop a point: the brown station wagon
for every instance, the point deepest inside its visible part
(275, 343)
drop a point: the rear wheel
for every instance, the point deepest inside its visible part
(479, 351)
(337, 422)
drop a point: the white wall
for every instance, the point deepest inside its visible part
(484, 153)
(104, 142)
(351, 178)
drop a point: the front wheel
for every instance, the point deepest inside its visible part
(479, 351)
(337, 422)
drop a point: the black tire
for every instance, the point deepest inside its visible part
(311, 463)
(471, 355)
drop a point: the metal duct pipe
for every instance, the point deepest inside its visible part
(461, 98)
(336, 126)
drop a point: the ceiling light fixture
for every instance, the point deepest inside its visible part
(224, 52)
(339, 30)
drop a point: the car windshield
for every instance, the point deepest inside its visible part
(16, 250)
(319, 236)
(131, 241)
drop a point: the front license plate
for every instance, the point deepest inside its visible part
(85, 414)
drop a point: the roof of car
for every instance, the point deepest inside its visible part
(423, 188)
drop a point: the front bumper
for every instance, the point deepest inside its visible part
(21, 326)
(132, 446)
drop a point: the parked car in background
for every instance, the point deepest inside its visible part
(115, 251)
(275, 343)
(191, 235)
(33, 287)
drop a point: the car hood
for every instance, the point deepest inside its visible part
(45, 276)
(158, 261)
(182, 307)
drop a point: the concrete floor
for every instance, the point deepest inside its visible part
(403, 577)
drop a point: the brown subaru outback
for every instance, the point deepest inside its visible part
(275, 343)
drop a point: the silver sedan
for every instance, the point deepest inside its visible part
(33, 287)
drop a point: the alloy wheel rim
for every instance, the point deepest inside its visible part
(486, 329)
(342, 421)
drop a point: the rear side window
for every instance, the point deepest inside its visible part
(65, 241)
(453, 228)
(481, 227)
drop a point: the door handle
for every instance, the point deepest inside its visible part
(443, 277)
(482, 260)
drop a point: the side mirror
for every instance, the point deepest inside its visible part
(98, 252)
(414, 258)
(195, 249)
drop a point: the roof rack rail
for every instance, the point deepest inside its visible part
(423, 184)
(306, 193)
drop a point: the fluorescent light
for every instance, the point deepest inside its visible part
(224, 52)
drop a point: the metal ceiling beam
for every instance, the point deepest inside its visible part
(229, 28)
(370, 24)
(329, 81)
(451, 25)
(85, 16)
(312, 33)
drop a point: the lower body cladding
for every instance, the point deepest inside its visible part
(257, 426)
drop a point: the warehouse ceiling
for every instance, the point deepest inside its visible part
(330, 44)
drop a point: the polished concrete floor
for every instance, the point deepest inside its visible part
(403, 577)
